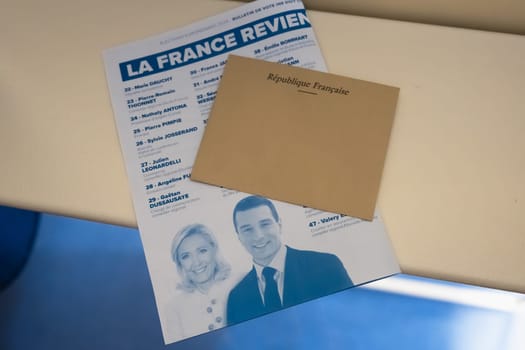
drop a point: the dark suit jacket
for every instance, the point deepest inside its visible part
(307, 275)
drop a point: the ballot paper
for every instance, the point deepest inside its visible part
(207, 264)
(298, 135)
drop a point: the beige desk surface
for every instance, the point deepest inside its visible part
(453, 189)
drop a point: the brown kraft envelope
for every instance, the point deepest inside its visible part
(298, 135)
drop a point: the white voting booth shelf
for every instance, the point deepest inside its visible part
(452, 194)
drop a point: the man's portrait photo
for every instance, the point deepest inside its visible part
(281, 276)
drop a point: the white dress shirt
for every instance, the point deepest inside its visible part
(277, 263)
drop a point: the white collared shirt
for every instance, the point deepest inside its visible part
(277, 263)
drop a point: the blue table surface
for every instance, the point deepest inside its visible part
(86, 286)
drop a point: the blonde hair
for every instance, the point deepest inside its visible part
(222, 268)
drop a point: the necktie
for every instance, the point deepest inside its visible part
(272, 302)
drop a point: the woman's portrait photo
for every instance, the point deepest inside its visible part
(199, 305)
